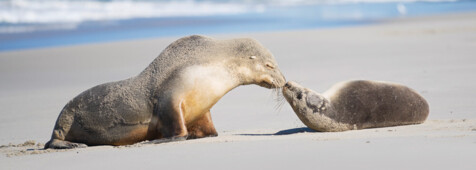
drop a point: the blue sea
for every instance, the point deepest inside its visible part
(27, 24)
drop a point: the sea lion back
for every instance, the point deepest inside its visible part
(378, 104)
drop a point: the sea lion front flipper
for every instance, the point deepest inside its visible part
(61, 144)
(171, 121)
(202, 127)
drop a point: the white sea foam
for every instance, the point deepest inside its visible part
(75, 11)
(51, 11)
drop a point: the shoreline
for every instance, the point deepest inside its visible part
(172, 37)
(254, 18)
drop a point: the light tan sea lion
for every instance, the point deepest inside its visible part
(171, 99)
(356, 105)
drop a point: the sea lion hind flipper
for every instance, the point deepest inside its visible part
(61, 144)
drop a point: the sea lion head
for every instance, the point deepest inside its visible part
(304, 100)
(258, 64)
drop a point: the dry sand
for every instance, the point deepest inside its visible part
(434, 55)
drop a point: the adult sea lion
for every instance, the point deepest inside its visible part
(356, 104)
(171, 99)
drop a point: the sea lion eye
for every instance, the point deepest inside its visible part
(299, 96)
(269, 66)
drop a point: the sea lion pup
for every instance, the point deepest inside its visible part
(356, 104)
(171, 99)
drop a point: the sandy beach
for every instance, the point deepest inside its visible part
(433, 55)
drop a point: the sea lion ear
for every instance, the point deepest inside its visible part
(252, 57)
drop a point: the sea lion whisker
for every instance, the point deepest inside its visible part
(280, 100)
(279, 105)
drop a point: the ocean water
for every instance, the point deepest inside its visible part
(26, 24)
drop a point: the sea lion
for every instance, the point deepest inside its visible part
(171, 99)
(356, 104)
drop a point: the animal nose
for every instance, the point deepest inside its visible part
(287, 85)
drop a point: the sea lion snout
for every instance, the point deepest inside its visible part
(278, 79)
(292, 87)
(272, 79)
(293, 93)
(290, 84)
(287, 89)
(287, 85)
(281, 80)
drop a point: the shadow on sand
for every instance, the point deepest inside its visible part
(284, 132)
